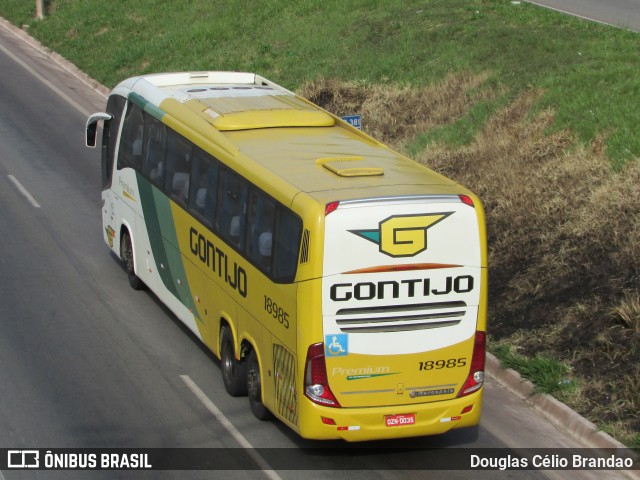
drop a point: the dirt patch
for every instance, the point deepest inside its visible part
(563, 230)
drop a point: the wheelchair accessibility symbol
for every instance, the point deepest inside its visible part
(336, 345)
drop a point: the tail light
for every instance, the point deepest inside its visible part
(467, 200)
(475, 380)
(331, 207)
(316, 382)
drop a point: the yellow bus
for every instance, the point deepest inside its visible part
(342, 285)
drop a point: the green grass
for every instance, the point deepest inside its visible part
(458, 133)
(588, 71)
(547, 374)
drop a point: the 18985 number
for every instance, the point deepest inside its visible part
(277, 312)
(440, 364)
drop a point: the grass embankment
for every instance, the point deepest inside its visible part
(535, 111)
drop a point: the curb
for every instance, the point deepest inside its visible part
(56, 57)
(551, 408)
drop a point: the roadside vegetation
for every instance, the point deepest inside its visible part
(534, 111)
(563, 234)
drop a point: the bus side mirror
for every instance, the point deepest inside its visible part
(92, 127)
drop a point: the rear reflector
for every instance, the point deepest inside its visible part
(328, 421)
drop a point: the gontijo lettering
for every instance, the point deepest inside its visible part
(418, 287)
(214, 258)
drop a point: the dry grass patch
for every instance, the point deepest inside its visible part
(391, 113)
(564, 251)
(563, 230)
(628, 312)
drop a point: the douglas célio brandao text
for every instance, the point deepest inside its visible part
(555, 461)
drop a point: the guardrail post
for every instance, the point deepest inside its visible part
(39, 9)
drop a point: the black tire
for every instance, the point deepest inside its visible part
(126, 255)
(254, 388)
(234, 372)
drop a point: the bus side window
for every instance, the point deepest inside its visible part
(286, 245)
(203, 186)
(260, 223)
(178, 167)
(155, 142)
(130, 153)
(231, 212)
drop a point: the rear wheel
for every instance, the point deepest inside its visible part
(254, 388)
(234, 372)
(126, 255)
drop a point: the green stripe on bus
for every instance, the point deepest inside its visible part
(160, 226)
(148, 107)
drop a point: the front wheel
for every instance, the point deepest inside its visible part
(126, 255)
(254, 388)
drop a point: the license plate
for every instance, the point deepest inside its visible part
(400, 420)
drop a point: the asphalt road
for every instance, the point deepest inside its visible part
(88, 362)
(621, 13)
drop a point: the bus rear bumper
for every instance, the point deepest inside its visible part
(362, 424)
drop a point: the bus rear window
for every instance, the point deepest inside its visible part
(287, 241)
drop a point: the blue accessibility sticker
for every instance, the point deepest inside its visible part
(336, 345)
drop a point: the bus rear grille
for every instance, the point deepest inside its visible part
(400, 318)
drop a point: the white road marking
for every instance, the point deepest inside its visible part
(50, 85)
(24, 192)
(224, 421)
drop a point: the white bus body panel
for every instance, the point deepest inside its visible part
(429, 301)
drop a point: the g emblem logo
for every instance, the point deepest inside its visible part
(402, 235)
